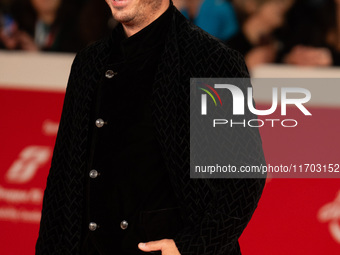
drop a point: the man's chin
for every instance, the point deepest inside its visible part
(124, 19)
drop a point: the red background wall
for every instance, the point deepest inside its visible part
(295, 216)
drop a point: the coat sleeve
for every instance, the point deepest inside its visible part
(216, 229)
(52, 221)
(218, 210)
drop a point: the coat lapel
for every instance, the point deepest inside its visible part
(164, 100)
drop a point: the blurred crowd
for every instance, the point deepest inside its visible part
(53, 25)
(297, 32)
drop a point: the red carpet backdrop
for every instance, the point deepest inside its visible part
(295, 216)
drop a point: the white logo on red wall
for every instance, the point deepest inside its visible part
(330, 213)
(19, 199)
(25, 167)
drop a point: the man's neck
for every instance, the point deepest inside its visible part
(134, 27)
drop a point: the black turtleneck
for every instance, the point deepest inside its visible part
(131, 181)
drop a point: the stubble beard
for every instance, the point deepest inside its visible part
(138, 15)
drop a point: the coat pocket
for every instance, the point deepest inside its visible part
(162, 223)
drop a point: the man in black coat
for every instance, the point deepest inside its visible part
(119, 181)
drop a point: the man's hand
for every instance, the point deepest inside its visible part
(9, 37)
(309, 56)
(17, 39)
(166, 246)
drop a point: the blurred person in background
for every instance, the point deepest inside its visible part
(48, 25)
(95, 21)
(217, 17)
(311, 36)
(6, 21)
(259, 19)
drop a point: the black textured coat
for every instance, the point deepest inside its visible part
(214, 211)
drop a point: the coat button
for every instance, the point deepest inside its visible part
(109, 74)
(100, 123)
(93, 226)
(124, 224)
(93, 174)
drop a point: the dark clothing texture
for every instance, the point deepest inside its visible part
(213, 212)
(132, 177)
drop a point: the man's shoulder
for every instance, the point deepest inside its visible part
(94, 52)
(195, 35)
(196, 44)
(90, 61)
